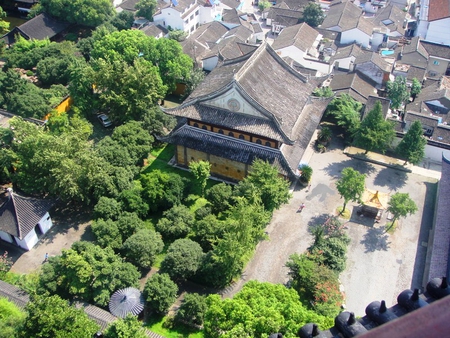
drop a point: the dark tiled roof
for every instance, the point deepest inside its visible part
(301, 36)
(353, 84)
(41, 27)
(182, 5)
(438, 9)
(346, 16)
(241, 122)
(284, 17)
(374, 58)
(228, 147)
(256, 27)
(19, 215)
(154, 30)
(100, 316)
(435, 49)
(266, 81)
(372, 100)
(294, 4)
(394, 17)
(14, 294)
(129, 5)
(437, 91)
(230, 3)
(415, 45)
(231, 16)
(242, 32)
(346, 51)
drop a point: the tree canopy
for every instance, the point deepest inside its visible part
(313, 14)
(51, 316)
(11, 319)
(160, 292)
(346, 111)
(128, 327)
(401, 205)
(201, 171)
(375, 132)
(146, 8)
(142, 248)
(397, 92)
(4, 25)
(412, 145)
(351, 185)
(83, 12)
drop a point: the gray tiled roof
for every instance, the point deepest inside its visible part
(346, 16)
(439, 259)
(393, 14)
(154, 30)
(14, 294)
(435, 49)
(294, 4)
(231, 16)
(374, 58)
(19, 215)
(241, 122)
(415, 45)
(182, 5)
(242, 32)
(301, 36)
(284, 17)
(346, 51)
(42, 26)
(439, 90)
(100, 316)
(353, 84)
(372, 100)
(227, 147)
(129, 5)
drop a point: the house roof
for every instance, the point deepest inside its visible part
(409, 71)
(40, 27)
(154, 30)
(129, 5)
(275, 95)
(284, 17)
(231, 16)
(231, 48)
(301, 36)
(353, 84)
(230, 3)
(375, 199)
(435, 49)
(14, 294)
(391, 17)
(438, 9)
(19, 215)
(374, 58)
(181, 5)
(294, 4)
(227, 147)
(347, 51)
(372, 100)
(346, 16)
(415, 45)
(437, 91)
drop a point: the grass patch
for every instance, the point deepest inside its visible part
(345, 215)
(390, 227)
(165, 327)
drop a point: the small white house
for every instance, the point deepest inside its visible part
(24, 220)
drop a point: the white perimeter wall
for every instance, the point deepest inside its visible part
(438, 31)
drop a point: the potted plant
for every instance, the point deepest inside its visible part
(306, 174)
(324, 135)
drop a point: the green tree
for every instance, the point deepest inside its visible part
(11, 319)
(350, 186)
(196, 76)
(142, 248)
(412, 145)
(51, 316)
(107, 233)
(262, 5)
(135, 139)
(123, 20)
(323, 92)
(397, 92)
(220, 197)
(313, 14)
(176, 223)
(400, 205)
(183, 259)
(178, 35)
(416, 88)
(375, 132)
(128, 327)
(88, 272)
(259, 310)
(107, 208)
(273, 189)
(160, 292)
(346, 111)
(146, 8)
(192, 309)
(129, 223)
(207, 230)
(5, 264)
(132, 200)
(83, 12)
(201, 171)
(4, 25)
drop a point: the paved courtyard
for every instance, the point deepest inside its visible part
(379, 265)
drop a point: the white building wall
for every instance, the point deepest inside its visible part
(45, 223)
(355, 36)
(6, 237)
(29, 241)
(438, 31)
(169, 17)
(432, 153)
(207, 14)
(344, 63)
(293, 52)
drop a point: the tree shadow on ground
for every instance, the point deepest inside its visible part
(334, 169)
(391, 178)
(357, 217)
(317, 220)
(375, 239)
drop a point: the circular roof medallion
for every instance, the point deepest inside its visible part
(233, 105)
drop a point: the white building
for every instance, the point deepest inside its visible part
(24, 220)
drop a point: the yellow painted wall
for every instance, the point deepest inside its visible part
(65, 105)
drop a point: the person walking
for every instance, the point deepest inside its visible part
(300, 208)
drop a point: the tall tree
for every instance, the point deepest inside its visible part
(192, 309)
(400, 205)
(146, 8)
(11, 319)
(416, 88)
(350, 186)
(375, 132)
(176, 223)
(4, 25)
(201, 171)
(83, 12)
(346, 111)
(412, 145)
(313, 14)
(124, 328)
(51, 316)
(397, 92)
(160, 292)
(142, 248)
